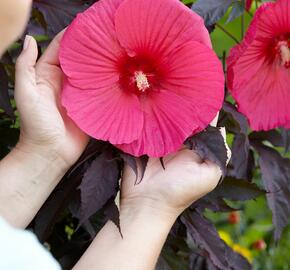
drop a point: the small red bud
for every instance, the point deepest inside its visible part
(234, 218)
(259, 245)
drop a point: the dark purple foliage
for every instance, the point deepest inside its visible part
(100, 183)
(4, 94)
(211, 10)
(210, 145)
(241, 159)
(204, 234)
(58, 13)
(275, 175)
(230, 189)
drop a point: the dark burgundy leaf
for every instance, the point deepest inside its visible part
(272, 136)
(112, 213)
(241, 157)
(286, 139)
(35, 29)
(4, 94)
(100, 183)
(239, 121)
(162, 163)
(143, 161)
(93, 148)
(276, 178)
(210, 28)
(211, 10)
(204, 234)
(89, 227)
(59, 13)
(197, 262)
(237, 10)
(7, 59)
(210, 145)
(50, 212)
(162, 264)
(131, 161)
(237, 190)
(215, 204)
(8, 137)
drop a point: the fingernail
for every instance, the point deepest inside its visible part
(26, 42)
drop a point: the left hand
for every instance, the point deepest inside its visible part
(45, 127)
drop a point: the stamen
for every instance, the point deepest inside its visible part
(141, 81)
(284, 53)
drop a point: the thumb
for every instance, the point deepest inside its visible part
(25, 64)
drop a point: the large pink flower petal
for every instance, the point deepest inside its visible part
(187, 101)
(256, 49)
(274, 20)
(255, 76)
(168, 121)
(265, 98)
(106, 114)
(90, 49)
(158, 26)
(196, 73)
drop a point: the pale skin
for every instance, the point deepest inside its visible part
(49, 145)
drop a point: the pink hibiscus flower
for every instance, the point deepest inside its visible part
(258, 69)
(140, 74)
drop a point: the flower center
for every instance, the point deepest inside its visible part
(140, 75)
(141, 81)
(283, 51)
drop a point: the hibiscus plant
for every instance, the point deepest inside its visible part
(144, 78)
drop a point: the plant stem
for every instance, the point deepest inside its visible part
(227, 33)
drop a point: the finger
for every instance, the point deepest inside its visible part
(50, 56)
(184, 155)
(212, 173)
(25, 64)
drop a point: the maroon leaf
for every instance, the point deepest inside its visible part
(94, 148)
(134, 162)
(272, 136)
(237, 190)
(210, 145)
(4, 94)
(131, 162)
(204, 234)
(143, 165)
(241, 157)
(286, 139)
(162, 264)
(276, 178)
(238, 121)
(59, 13)
(230, 189)
(100, 183)
(215, 204)
(211, 10)
(50, 212)
(112, 213)
(162, 163)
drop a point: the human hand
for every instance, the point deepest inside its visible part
(45, 127)
(186, 178)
